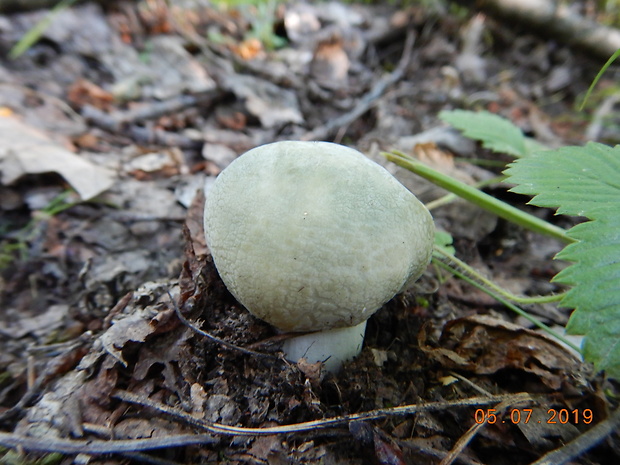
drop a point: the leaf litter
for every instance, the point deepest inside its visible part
(147, 102)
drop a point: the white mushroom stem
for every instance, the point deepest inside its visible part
(332, 347)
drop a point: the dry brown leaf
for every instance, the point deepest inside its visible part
(274, 106)
(136, 428)
(540, 431)
(312, 371)
(40, 324)
(84, 92)
(485, 345)
(268, 449)
(330, 64)
(94, 396)
(135, 328)
(430, 154)
(249, 49)
(28, 151)
(166, 352)
(195, 227)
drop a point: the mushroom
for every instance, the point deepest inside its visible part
(315, 237)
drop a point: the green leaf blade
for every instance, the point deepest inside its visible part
(576, 180)
(496, 133)
(444, 240)
(584, 181)
(598, 76)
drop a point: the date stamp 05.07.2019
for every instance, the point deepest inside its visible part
(527, 415)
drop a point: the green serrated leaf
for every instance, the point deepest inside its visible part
(495, 133)
(578, 180)
(584, 181)
(532, 145)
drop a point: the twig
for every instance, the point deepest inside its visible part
(366, 102)
(463, 441)
(136, 217)
(96, 446)
(582, 443)
(427, 450)
(470, 384)
(105, 432)
(469, 435)
(34, 390)
(127, 122)
(319, 424)
(72, 446)
(117, 120)
(118, 308)
(213, 338)
(156, 136)
(122, 124)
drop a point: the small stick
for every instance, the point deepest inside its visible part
(582, 443)
(469, 435)
(367, 101)
(218, 428)
(36, 387)
(222, 342)
(94, 446)
(117, 120)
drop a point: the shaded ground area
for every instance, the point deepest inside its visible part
(111, 124)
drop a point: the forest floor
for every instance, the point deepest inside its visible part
(111, 124)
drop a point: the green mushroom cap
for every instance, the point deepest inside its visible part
(314, 235)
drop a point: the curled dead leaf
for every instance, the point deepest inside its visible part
(485, 345)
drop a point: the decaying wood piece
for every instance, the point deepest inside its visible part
(549, 18)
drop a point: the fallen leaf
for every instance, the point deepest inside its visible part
(485, 345)
(330, 64)
(135, 327)
(540, 432)
(83, 92)
(166, 352)
(268, 449)
(379, 356)
(94, 396)
(272, 105)
(447, 380)
(249, 49)
(386, 452)
(312, 371)
(39, 325)
(27, 151)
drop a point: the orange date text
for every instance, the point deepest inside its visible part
(524, 416)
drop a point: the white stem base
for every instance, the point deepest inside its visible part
(332, 347)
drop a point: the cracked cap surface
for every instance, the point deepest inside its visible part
(314, 235)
